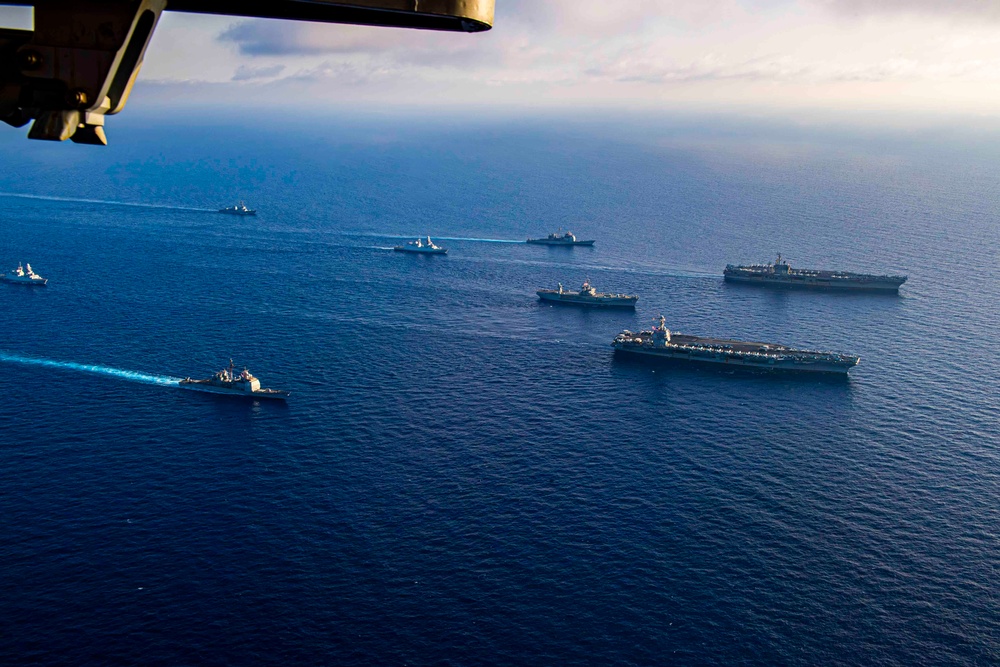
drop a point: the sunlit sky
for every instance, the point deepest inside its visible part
(909, 55)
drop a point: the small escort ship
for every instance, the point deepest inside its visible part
(587, 296)
(780, 274)
(228, 382)
(560, 239)
(24, 276)
(238, 209)
(420, 247)
(661, 344)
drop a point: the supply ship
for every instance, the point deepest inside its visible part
(238, 209)
(559, 239)
(780, 274)
(661, 344)
(24, 276)
(587, 296)
(228, 382)
(420, 247)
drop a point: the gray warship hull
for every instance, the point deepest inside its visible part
(208, 387)
(15, 280)
(558, 242)
(597, 301)
(815, 280)
(421, 251)
(779, 274)
(733, 355)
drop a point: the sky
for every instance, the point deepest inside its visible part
(720, 55)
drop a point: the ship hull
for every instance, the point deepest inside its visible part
(820, 283)
(239, 213)
(724, 362)
(561, 243)
(587, 302)
(439, 251)
(17, 281)
(270, 394)
(844, 281)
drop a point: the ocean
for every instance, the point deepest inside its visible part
(463, 475)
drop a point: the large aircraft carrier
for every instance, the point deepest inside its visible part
(661, 344)
(780, 274)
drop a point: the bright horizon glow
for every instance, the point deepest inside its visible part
(893, 55)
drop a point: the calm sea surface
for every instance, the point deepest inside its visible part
(465, 476)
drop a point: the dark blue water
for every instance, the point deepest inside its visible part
(464, 476)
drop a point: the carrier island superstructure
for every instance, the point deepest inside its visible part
(662, 344)
(780, 274)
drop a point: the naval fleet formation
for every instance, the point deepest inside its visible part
(656, 344)
(660, 344)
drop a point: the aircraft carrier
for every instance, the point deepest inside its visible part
(661, 344)
(780, 274)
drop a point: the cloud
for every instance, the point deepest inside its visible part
(257, 37)
(949, 9)
(342, 73)
(407, 48)
(777, 68)
(607, 51)
(518, 22)
(244, 73)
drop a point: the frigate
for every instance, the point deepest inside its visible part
(421, 247)
(238, 209)
(24, 276)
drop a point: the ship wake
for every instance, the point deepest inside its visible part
(104, 201)
(132, 376)
(464, 238)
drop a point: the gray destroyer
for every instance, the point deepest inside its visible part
(228, 382)
(238, 209)
(780, 274)
(587, 296)
(421, 248)
(24, 276)
(560, 239)
(661, 344)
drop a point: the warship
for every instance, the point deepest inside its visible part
(587, 296)
(559, 239)
(238, 209)
(228, 382)
(661, 344)
(419, 246)
(780, 274)
(24, 276)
